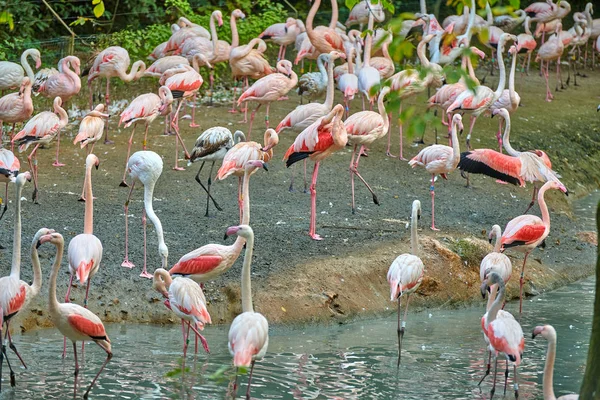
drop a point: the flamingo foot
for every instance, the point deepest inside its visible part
(127, 264)
(204, 344)
(194, 126)
(57, 164)
(387, 153)
(81, 199)
(315, 236)
(178, 169)
(145, 274)
(501, 182)
(402, 159)
(123, 184)
(109, 142)
(433, 228)
(232, 111)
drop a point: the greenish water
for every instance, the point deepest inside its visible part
(443, 354)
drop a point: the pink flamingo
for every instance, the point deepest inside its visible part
(348, 82)
(40, 129)
(16, 107)
(249, 331)
(504, 333)
(549, 51)
(65, 83)
(283, 34)
(145, 108)
(317, 142)
(526, 44)
(212, 260)
(186, 299)
(159, 66)
(110, 63)
(145, 167)
(9, 168)
(509, 99)
(439, 159)
(364, 128)
(384, 65)
(406, 274)
(73, 321)
(14, 293)
(361, 11)
(12, 74)
(91, 128)
(268, 89)
(187, 31)
(234, 162)
(184, 82)
(549, 333)
(481, 98)
(516, 167)
(85, 250)
(499, 263)
(526, 232)
(368, 76)
(325, 39)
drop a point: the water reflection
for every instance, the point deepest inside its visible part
(443, 357)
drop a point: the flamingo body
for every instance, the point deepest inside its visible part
(248, 338)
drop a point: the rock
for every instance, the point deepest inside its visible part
(428, 286)
(115, 301)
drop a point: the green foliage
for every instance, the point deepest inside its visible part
(7, 18)
(387, 5)
(99, 8)
(140, 42)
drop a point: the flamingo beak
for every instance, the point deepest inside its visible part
(537, 331)
(484, 289)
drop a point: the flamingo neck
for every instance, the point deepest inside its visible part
(72, 75)
(548, 381)
(330, 86)
(309, 20)
(25, 64)
(421, 53)
(246, 285)
(455, 147)
(368, 41)
(491, 297)
(321, 66)
(423, 6)
(471, 23)
(498, 243)
(544, 207)
(37, 271)
(53, 303)
(15, 270)
(27, 94)
(62, 115)
(137, 70)
(527, 26)
(334, 15)
(511, 82)
(414, 239)
(383, 113)
(506, 139)
(246, 196)
(292, 80)
(386, 51)
(497, 304)
(88, 222)
(148, 193)
(213, 34)
(488, 12)
(235, 37)
(502, 82)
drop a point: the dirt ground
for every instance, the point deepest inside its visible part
(296, 279)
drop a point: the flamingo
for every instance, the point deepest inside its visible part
(516, 167)
(145, 108)
(186, 299)
(212, 145)
(504, 333)
(526, 44)
(159, 51)
(361, 11)
(499, 263)
(9, 168)
(364, 128)
(481, 98)
(184, 82)
(549, 333)
(12, 74)
(549, 51)
(439, 159)
(14, 293)
(368, 76)
(324, 39)
(384, 65)
(159, 66)
(270, 88)
(509, 99)
(187, 31)
(526, 232)
(249, 331)
(348, 82)
(314, 84)
(212, 260)
(283, 34)
(509, 23)
(145, 167)
(317, 142)
(113, 62)
(91, 129)
(16, 107)
(72, 320)
(40, 129)
(406, 274)
(234, 162)
(85, 250)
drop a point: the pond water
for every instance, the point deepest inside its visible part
(443, 353)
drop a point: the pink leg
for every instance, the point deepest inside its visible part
(521, 281)
(32, 160)
(533, 197)
(305, 182)
(233, 110)
(185, 339)
(145, 142)
(3, 353)
(267, 116)
(12, 133)
(193, 124)
(76, 373)
(178, 138)
(211, 78)
(354, 171)
(352, 177)
(106, 104)
(251, 120)
(12, 346)
(250, 380)
(67, 300)
(126, 263)
(549, 95)
(313, 204)
(240, 200)
(400, 157)
(56, 163)
(123, 183)
(91, 90)
(145, 273)
(167, 124)
(199, 336)
(108, 358)
(499, 135)
(389, 135)
(432, 190)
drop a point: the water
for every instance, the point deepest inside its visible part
(442, 358)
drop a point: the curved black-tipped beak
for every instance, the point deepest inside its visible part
(490, 240)
(97, 166)
(484, 289)
(38, 244)
(225, 236)
(265, 166)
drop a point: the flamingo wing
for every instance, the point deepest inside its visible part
(492, 163)
(199, 261)
(248, 338)
(187, 296)
(85, 325)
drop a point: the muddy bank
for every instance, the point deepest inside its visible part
(294, 278)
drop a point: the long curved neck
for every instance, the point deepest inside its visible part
(246, 285)
(334, 14)
(62, 114)
(511, 81)
(52, 300)
(246, 197)
(498, 244)
(368, 41)
(37, 271)
(310, 17)
(544, 208)
(414, 240)
(386, 51)
(27, 94)
(321, 67)
(137, 69)
(455, 147)
(548, 381)
(71, 74)
(423, 7)
(15, 270)
(421, 53)
(502, 82)
(330, 86)
(88, 222)
(148, 193)
(491, 297)
(527, 26)
(506, 139)
(235, 37)
(26, 66)
(383, 113)
(497, 304)
(213, 34)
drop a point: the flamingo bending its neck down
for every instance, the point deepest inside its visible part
(91, 128)
(249, 331)
(406, 273)
(12, 74)
(16, 107)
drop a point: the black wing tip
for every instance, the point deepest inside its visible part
(295, 157)
(477, 167)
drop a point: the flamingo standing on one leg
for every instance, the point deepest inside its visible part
(549, 333)
(283, 34)
(85, 250)
(504, 333)
(186, 299)
(40, 129)
(526, 44)
(363, 129)
(73, 321)
(212, 145)
(16, 107)
(406, 273)
(526, 232)
(110, 63)
(268, 89)
(64, 84)
(439, 159)
(249, 331)
(317, 142)
(9, 168)
(145, 108)
(146, 167)
(14, 293)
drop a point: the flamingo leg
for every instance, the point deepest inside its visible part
(494, 382)
(3, 354)
(292, 173)
(250, 380)
(108, 357)
(123, 183)
(402, 329)
(12, 346)
(193, 124)
(489, 365)
(252, 120)
(145, 142)
(267, 116)
(521, 281)
(5, 198)
(202, 339)
(175, 124)
(528, 62)
(233, 109)
(91, 90)
(211, 78)
(535, 191)
(516, 382)
(126, 263)
(354, 171)
(499, 135)
(208, 197)
(32, 160)
(67, 300)
(472, 124)
(432, 191)
(145, 273)
(505, 377)
(313, 204)
(549, 95)
(352, 178)
(185, 343)
(76, 372)
(400, 125)
(12, 132)
(389, 135)
(305, 182)
(57, 163)
(240, 200)
(106, 104)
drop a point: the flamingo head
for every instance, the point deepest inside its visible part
(547, 332)
(237, 13)
(163, 251)
(558, 186)
(21, 178)
(219, 17)
(161, 282)
(52, 237)
(42, 232)
(92, 161)
(244, 231)
(254, 164)
(490, 278)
